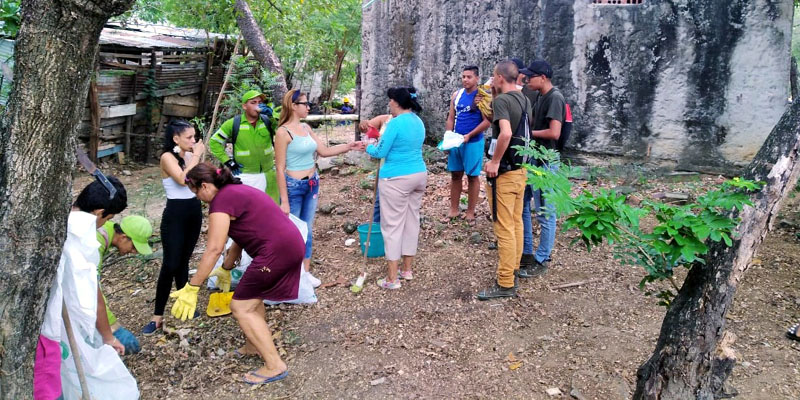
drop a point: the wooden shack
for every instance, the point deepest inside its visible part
(145, 75)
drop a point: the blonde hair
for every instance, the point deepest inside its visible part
(286, 105)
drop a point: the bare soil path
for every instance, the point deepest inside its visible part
(431, 338)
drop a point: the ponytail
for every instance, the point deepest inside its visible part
(207, 173)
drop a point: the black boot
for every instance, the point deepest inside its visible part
(525, 264)
(526, 261)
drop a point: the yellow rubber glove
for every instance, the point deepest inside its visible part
(223, 278)
(185, 302)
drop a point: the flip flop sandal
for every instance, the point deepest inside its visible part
(239, 354)
(792, 332)
(448, 220)
(265, 379)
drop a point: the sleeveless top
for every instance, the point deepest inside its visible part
(175, 190)
(300, 152)
(467, 116)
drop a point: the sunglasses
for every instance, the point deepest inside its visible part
(305, 103)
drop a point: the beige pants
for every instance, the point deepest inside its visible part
(401, 198)
(508, 227)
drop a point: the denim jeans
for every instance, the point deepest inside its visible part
(376, 209)
(547, 222)
(303, 196)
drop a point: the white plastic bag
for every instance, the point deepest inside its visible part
(258, 181)
(305, 292)
(106, 375)
(451, 140)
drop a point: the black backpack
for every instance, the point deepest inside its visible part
(237, 120)
(513, 159)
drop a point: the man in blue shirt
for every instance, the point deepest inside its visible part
(465, 118)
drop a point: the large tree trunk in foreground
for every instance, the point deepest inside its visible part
(688, 362)
(262, 51)
(54, 59)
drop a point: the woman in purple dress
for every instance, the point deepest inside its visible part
(257, 225)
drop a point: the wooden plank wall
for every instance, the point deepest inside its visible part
(125, 88)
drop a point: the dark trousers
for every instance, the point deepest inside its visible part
(180, 228)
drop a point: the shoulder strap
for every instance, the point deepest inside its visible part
(523, 111)
(288, 131)
(268, 123)
(237, 120)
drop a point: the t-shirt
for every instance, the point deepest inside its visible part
(267, 235)
(467, 115)
(533, 96)
(104, 236)
(401, 146)
(550, 106)
(508, 106)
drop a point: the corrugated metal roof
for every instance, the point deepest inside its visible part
(147, 40)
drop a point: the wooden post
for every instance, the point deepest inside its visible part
(148, 140)
(129, 119)
(76, 355)
(358, 101)
(94, 107)
(201, 110)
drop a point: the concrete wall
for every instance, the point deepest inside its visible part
(699, 83)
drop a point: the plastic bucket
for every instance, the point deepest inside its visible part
(375, 239)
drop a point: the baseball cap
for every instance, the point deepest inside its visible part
(518, 62)
(138, 229)
(538, 67)
(251, 94)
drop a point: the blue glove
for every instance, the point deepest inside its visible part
(128, 340)
(234, 167)
(265, 109)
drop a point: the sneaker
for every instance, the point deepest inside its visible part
(526, 261)
(314, 281)
(496, 292)
(151, 328)
(407, 275)
(386, 284)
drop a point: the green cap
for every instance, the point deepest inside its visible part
(252, 94)
(139, 230)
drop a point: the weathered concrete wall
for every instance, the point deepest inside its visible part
(697, 82)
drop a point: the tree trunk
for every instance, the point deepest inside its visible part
(337, 72)
(262, 51)
(55, 53)
(687, 362)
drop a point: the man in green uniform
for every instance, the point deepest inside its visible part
(128, 236)
(253, 158)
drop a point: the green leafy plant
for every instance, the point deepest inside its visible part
(9, 18)
(678, 239)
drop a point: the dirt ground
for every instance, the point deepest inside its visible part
(432, 338)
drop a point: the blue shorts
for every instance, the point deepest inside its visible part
(467, 158)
